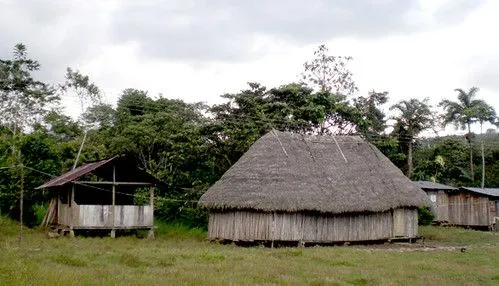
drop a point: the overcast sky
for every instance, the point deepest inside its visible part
(198, 49)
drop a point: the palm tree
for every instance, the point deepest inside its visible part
(413, 117)
(462, 114)
(484, 113)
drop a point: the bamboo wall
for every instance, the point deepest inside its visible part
(464, 208)
(259, 226)
(101, 216)
(441, 206)
(469, 209)
(405, 223)
(494, 208)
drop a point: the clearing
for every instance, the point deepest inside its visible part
(181, 256)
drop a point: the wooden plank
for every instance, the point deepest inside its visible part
(398, 222)
(151, 200)
(126, 216)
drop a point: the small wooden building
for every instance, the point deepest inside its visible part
(439, 197)
(464, 206)
(319, 189)
(475, 207)
(111, 194)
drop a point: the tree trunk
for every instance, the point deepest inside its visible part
(409, 160)
(81, 148)
(472, 172)
(483, 156)
(483, 166)
(21, 207)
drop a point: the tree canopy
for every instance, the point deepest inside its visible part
(188, 146)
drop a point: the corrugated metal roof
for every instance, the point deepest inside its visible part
(485, 191)
(74, 174)
(433, 186)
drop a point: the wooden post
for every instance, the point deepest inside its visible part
(273, 230)
(71, 204)
(113, 231)
(21, 213)
(150, 234)
(59, 202)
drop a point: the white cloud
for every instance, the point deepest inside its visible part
(427, 50)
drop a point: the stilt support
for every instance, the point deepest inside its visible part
(150, 234)
(113, 233)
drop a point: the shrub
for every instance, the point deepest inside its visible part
(425, 215)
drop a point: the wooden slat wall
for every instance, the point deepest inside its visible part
(100, 216)
(405, 223)
(494, 210)
(64, 215)
(468, 209)
(442, 211)
(249, 226)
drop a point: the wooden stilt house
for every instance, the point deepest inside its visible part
(111, 194)
(313, 189)
(464, 206)
(474, 207)
(439, 197)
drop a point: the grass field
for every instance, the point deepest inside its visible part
(179, 256)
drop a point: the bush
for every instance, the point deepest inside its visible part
(425, 215)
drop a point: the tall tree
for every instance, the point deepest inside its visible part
(145, 127)
(88, 94)
(372, 116)
(23, 99)
(463, 113)
(100, 116)
(413, 117)
(329, 73)
(23, 102)
(484, 113)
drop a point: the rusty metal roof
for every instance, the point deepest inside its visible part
(491, 192)
(433, 186)
(75, 174)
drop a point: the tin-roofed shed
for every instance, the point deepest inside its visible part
(110, 194)
(475, 207)
(439, 197)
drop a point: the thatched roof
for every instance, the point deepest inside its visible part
(331, 174)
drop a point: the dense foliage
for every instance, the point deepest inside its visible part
(189, 146)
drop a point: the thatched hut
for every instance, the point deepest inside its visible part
(306, 188)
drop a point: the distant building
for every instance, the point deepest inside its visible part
(101, 195)
(475, 207)
(306, 188)
(464, 206)
(439, 197)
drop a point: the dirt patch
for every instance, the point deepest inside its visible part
(414, 247)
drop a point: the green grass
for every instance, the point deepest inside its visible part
(181, 256)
